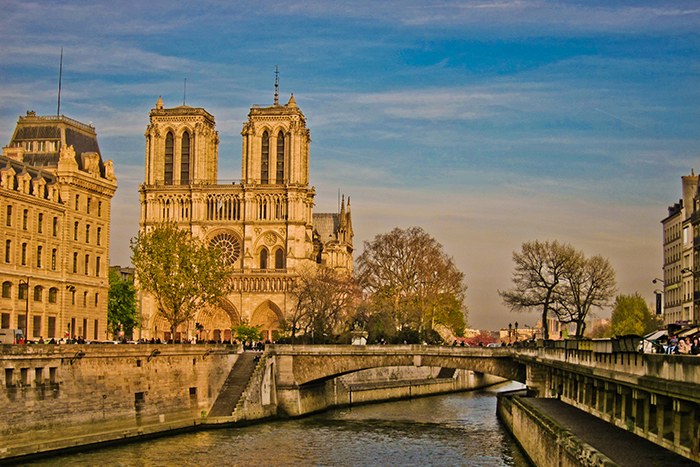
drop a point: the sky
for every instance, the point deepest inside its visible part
(486, 123)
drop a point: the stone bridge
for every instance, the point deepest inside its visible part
(297, 375)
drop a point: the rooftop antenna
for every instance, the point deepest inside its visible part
(184, 92)
(277, 73)
(60, 75)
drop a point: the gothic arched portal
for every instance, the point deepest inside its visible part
(268, 315)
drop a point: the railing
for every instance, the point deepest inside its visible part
(56, 118)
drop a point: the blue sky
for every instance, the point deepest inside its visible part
(487, 123)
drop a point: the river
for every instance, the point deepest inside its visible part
(447, 431)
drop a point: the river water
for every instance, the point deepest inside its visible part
(447, 431)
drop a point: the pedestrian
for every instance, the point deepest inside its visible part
(695, 348)
(684, 347)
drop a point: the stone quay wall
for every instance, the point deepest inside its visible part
(545, 442)
(54, 397)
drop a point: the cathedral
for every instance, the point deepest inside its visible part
(264, 223)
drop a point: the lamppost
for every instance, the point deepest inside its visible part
(516, 331)
(22, 282)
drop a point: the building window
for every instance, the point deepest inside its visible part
(38, 256)
(25, 219)
(22, 292)
(99, 234)
(75, 230)
(77, 202)
(24, 254)
(87, 264)
(169, 159)
(98, 260)
(265, 159)
(72, 296)
(75, 263)
(8, 250)
(87, 206)
(99, 208)
(97, 299)
(54, 254)
(5, 321)
(40, 224)
(38, 293)
(280, 158)
(185, 159)
(53, 295)
(6, 290)
(36, 331)
(55, 226)
(85, 294)
(8, 220)
(263, 259)
(97, 322)
(87, 233)
(279, 259)
(52, 329)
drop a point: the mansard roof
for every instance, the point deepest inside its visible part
(59, 130)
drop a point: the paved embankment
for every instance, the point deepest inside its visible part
(621, 446)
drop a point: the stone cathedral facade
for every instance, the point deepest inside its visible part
(264, 222)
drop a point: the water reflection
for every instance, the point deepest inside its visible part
(452, 430)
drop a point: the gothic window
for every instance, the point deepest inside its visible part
(280, 158)
(279, 259)
(265, 160)
(169, 158)
(263, 258)
(229, 245)
(185, 159)
(7, 289)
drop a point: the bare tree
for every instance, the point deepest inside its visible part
(538, 277)
(408, 276)
(181, 272)
(590, 282)
(324, 302)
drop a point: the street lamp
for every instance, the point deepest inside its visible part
(26, 312)
(657, 280)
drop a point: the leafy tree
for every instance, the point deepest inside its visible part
(589, 282)
(121, 306)
(181, 272)
(538, 277)
(631, 315)
(323, 303)
(599, 331)
(243, 332)
(411, 283)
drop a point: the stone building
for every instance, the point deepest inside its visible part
(264, 222)
(680, 270)
(55, 199)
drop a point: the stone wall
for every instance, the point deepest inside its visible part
(57, 396)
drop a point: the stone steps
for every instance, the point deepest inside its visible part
(235, 385)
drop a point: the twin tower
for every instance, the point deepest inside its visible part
(264, 223)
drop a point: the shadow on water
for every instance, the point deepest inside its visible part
(450, 430)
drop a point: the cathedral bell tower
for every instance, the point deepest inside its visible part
(276, 145)
(181, 146)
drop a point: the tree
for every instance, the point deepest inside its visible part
(324, 300)
(539, 273)
(243, 332)
(181, 272)
(121, 306)
(631, 315)
(409, 279)
(589, 283)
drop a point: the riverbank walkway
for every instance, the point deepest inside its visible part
(621, 446)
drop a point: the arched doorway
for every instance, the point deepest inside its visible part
(268, 315)
(216, 321)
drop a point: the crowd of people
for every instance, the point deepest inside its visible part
(683, 346)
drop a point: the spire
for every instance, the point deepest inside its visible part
(277, 73)
(349, 223)
(341, 217)
(159, 104)
(292, 103)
